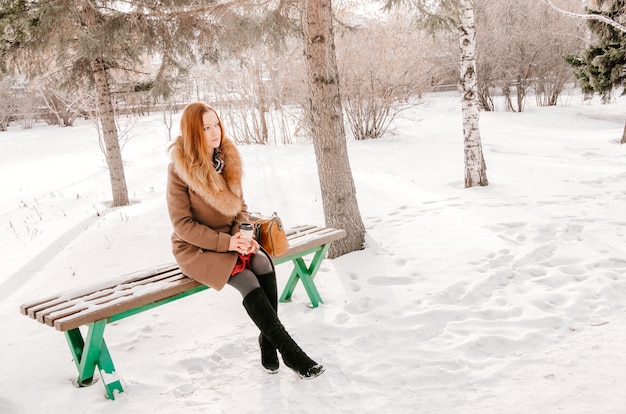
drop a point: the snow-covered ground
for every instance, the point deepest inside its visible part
(503, 299)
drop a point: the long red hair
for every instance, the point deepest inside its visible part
(192, 140)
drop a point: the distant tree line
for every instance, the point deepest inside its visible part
(385, 64)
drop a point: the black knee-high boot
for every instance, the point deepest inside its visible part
(266, 319)
(269, 356)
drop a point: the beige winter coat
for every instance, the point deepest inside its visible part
(205, 209)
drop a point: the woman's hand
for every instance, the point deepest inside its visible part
(241, 244)
(254, 246)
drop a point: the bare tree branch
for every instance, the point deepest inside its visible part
(598, 17)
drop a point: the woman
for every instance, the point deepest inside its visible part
(206, 207)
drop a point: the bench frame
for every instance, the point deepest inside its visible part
(90, 351)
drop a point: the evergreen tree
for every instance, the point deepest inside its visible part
(95, 41)
(602, 67)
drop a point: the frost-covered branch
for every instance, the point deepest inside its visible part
(599, 17)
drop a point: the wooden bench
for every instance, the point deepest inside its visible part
(96, 306)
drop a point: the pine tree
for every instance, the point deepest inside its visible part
(95, 41)
(602, 67)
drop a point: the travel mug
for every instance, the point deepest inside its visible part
(246, 229)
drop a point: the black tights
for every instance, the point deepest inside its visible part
(246, 280)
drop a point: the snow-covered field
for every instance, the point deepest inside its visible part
(503, 299)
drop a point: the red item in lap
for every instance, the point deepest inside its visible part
(243, 262)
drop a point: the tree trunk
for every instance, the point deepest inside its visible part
(341, 209)
(260, 98)
(521, 93)
(113, 154)
(262, 108)
(623, 141)
(475, 168)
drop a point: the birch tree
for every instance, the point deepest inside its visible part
(475, 168)
(445, 15)
(341, 208)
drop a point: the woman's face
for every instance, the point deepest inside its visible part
(212, 129)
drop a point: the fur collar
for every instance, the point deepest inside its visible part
(221, 191)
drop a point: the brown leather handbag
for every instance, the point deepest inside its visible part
(269, 232)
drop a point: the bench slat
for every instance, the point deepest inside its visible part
(299, 229)
(67, 322)
(42, 311)
(313, 237)
(97, 300)
(139, 275)
(37, 310)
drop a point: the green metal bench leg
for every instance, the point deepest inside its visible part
(291, 283)
(91, 352)
(306, 274)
